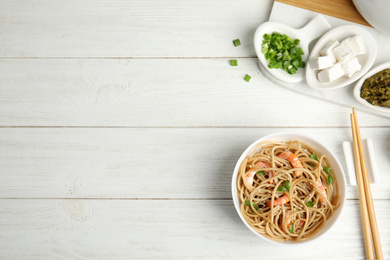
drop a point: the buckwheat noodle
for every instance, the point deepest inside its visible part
(311, 200)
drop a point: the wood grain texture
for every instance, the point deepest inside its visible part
(121, 123)
(146, 163)
(121, 28)
(154, 229)
(155, 92)
(343, 9)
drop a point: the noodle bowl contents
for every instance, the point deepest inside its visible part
(287, 190)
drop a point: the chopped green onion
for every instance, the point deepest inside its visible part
(254, 205)
(330, 179)
(282, 52)
(260, 173)
(286, 187)
(310, 203)
(233, 63)
(287, 184)
(237, 42)
(291, 229)
(327, 170)
(247, 78)
(314, 156)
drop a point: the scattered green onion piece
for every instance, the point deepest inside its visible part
(260, 173)
(233, 63)
(330, 179)
(291, 229)
(247, 78)
(310, 203)
(237, 42)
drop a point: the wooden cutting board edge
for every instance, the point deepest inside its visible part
(342, 9)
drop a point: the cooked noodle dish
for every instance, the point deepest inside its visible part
(287, 190)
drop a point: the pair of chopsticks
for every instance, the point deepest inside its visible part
(370, 227)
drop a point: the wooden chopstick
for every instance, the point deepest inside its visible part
(370, 226)
(362, 196)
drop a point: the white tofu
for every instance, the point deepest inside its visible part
(327, 50)
(343, 52)
(321, 62)
(331, 74)
(356, 43)
(351, 67)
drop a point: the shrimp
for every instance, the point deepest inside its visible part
(293, 159)
(251, 173)
(323, 191)
(280, 201)
(266, 165)
(286, 220)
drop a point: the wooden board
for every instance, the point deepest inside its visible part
(343, 9)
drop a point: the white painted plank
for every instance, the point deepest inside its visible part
(146, 163)
(120, 28)
(157, 92)
(162, 229)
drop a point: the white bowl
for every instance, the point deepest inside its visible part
(312, 30)
(322, 149)
(376, 13)
(340, 33)
(359, 84)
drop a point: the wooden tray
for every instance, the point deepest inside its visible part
(343, 9)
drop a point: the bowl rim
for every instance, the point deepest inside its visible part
(349, 30)
(292, 136)
(359, 84)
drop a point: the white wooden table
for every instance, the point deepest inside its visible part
(121, 122)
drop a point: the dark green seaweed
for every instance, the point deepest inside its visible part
(376, 89)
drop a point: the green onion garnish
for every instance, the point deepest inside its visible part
(260, 173)
(247, 78)
(254, 205)
(287, 184)
(327, 170)
(233, 63)
(282, 52)
(330, 179)
(237, 42)
(310, 203)
(314, 157)
(286, 187)
(291, 229)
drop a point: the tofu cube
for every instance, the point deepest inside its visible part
(327, 50)
(351, 67)
(356, 44)
(321, 62)
(331, 74)
(343, 52)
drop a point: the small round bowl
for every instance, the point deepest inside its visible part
(359, 85)
(322, 149)
(340, 33)
(311, 31)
